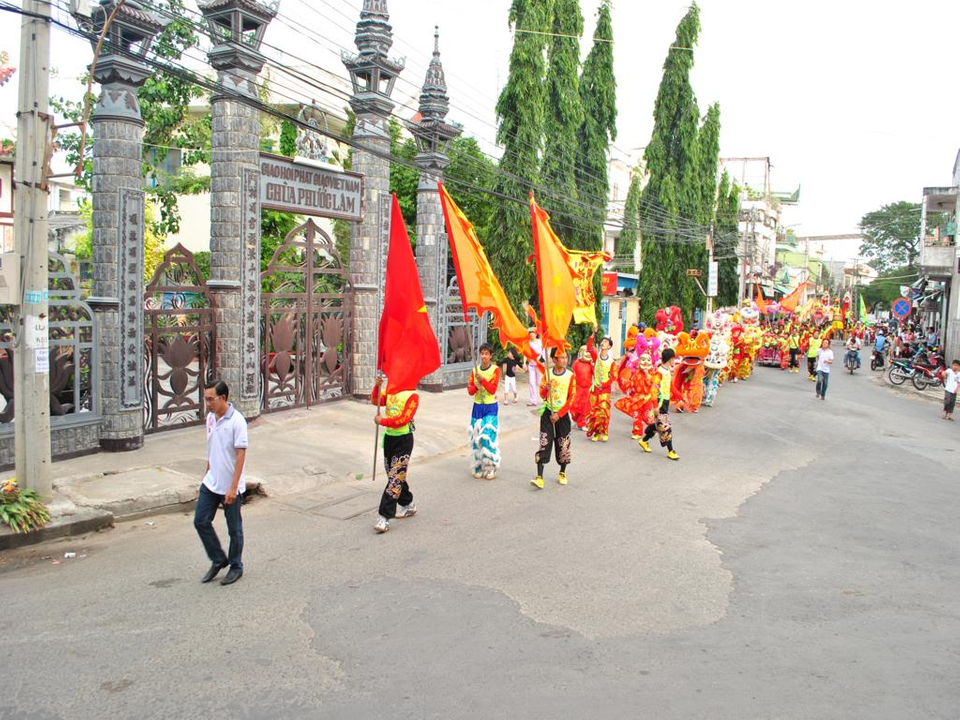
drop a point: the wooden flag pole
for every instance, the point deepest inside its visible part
(376, 437)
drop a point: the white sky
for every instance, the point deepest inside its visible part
(852, 99)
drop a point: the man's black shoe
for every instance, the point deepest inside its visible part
(213, 571)
(232, 576)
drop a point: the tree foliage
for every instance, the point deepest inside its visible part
(672, 190)
(881, 293)
(892, 236)
(563, 118)
(520, 110)
(627, 242)
(152, 241)
(598, 97)
(726, 242)
(288, 138)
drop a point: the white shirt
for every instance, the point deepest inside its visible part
(225, 436)
(822, 357)
(950, 380)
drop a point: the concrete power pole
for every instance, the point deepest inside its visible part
(31, 359)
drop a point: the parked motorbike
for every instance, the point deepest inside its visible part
(900, 371)
(928, 372)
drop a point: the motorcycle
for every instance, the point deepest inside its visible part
(900, 371)
(928, 373)
(851, 361)
(876, 359)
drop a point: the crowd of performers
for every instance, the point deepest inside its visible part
(661, 366)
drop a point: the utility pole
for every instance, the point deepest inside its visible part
(742, 292)
(709, 272)
(31, 358)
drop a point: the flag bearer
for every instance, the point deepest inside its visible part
(484, 422)
(557, 389)
(397, 424)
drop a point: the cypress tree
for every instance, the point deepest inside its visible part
(671, 161)
(520, 110)
(563, 117)
(627, 242)
(708, 158)
(598, 96)
(727, 241)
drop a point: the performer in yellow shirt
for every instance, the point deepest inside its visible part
(556, 388)
(484, 422)
(598, 421)
(397, 424)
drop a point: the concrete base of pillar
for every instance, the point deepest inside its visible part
(121, 444)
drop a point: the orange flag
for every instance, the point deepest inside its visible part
(564, 279)
(408, 347)
(479, 287)
(760, 301)
(790, 302)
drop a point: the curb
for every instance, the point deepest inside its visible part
(83, 521)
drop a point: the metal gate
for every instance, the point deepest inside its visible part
(306, 305)
(179, 343)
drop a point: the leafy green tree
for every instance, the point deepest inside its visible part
(707, 161)
(671, 194)
(891, 236)
(470, 169)
(563, 118)
(404, 179)
(288, 138)
(598, 97)
(881, 293)
(726, 242)
(629, 234)
(152, 241)
(520, 110)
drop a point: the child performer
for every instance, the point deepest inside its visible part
(598, 421)
(556, 389)
(812, 348)
(583, 377)
(397, 448)
(662, 424)
(484, 422)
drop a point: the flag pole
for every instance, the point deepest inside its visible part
(376, 436)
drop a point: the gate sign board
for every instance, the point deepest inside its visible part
(309, 190)
(901, 307)
(713, 275)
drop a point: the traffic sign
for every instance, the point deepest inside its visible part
(900, 307)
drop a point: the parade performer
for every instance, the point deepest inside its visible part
(662, 424)
(812, 347)
(626, 375)
(556, 388)
(484, 422)
(598, 421)
(397, 422)
(583, 379)
(687, 386)
(715, 362)
(793, 349)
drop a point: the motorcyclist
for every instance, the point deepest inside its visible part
(853, 351)
(878, 346)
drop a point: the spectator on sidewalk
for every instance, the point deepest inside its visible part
(951, 379)
(223, 482)
(510, 365)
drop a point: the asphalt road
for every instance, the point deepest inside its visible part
(800, 561)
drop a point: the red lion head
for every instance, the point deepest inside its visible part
(669, 320)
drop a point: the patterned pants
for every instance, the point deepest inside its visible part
(396, 458)
(555, 434)
(661, 426)
(484, 445)
(598, 421)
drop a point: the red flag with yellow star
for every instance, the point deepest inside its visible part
(408, 347)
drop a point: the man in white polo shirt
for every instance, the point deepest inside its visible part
(223, 482)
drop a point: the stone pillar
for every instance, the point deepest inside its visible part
(237, 27)
(118, 223)
(433, 133)
(373, 75)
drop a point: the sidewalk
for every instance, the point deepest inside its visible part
(325, 451)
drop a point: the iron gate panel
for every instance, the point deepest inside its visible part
(72, 351)
(455, 332)
(179, 343)
(306, 306)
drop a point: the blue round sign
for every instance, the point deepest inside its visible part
(901, 307)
